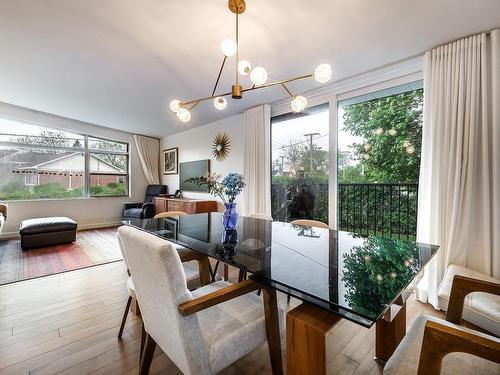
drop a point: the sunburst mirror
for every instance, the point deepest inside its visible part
(221, 146)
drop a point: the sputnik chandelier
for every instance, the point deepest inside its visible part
(258, 77)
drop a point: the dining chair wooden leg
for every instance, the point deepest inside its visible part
(273, 330)
(125, 314)
(288, 299)
(147, 355)
(143, 339)
(242, 275)
(226, 272)
(214, 273)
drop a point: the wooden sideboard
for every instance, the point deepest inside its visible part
(189, 206)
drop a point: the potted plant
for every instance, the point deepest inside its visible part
(227, 189)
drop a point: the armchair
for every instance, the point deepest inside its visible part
(202, 331)
(434, 346)
(145, 210)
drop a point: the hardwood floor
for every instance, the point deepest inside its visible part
(92, 247)
(68, 323)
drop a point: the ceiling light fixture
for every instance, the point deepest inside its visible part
(258, 77)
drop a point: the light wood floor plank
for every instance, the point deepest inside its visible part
(67, 324)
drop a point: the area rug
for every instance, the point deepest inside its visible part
(92, 248)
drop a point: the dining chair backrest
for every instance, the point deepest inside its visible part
(170, 214)
(160, 285)
(310, 223)
(261, 216)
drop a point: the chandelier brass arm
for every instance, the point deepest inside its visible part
(258, 76)
(251, 88)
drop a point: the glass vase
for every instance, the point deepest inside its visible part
(230, 216)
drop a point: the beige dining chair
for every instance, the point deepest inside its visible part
(435, 346)
(193, 265)
(198, 332)
(170, 214)
(310, 223)
(262, 216)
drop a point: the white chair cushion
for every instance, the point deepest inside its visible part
(234, 328)
(481, 309)
(405, 359)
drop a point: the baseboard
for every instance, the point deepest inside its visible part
(15, 235)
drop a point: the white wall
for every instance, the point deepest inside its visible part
(88, 212)
(195, 144)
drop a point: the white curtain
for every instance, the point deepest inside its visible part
(257, 163)
(459, 192)
(149, 154)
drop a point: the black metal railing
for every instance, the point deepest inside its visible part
(387, 210)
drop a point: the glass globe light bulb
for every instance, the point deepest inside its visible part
(228, 47)
(184, 115)
(220, 103)
(367, 147)
(175, 105)
(258, 76)
(298, 103)
(406, 144)
(379, 131)
(323, 73)
(366, 156)
(244, 67)
(393, 132)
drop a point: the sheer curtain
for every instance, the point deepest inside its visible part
(149, 154)
(459, 192)
(257, 163)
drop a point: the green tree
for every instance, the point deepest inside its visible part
(392, 129)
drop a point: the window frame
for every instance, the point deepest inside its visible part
(87, 152)
(402, 73)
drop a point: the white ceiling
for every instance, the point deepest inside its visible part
(118, 63)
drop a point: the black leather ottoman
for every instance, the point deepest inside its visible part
(47, 231)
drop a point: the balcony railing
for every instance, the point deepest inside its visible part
(387, 210)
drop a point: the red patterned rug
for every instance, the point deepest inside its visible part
(92, 247)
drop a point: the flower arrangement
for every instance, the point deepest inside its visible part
(227, 188)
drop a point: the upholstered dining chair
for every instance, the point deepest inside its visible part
(170, 214)
(262, 216)
(434, 346)
(310, 223)
(198, 332)
(192, 264)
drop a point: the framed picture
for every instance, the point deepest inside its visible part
(171, 161)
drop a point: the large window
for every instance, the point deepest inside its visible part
(299, 186)
(379, 142)
(43, 163)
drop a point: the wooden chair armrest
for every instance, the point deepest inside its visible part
(461, 287)
(219, 296)
(188, 255)
(440, 340)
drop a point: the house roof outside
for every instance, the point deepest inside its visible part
(34, 160)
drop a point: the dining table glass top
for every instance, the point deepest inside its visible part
(354, 276)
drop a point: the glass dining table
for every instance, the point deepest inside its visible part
(336, 274)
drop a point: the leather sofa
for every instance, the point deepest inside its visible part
(146, 209)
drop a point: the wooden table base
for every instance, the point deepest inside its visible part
(390, 330)
(307, 327)
(306, 330)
